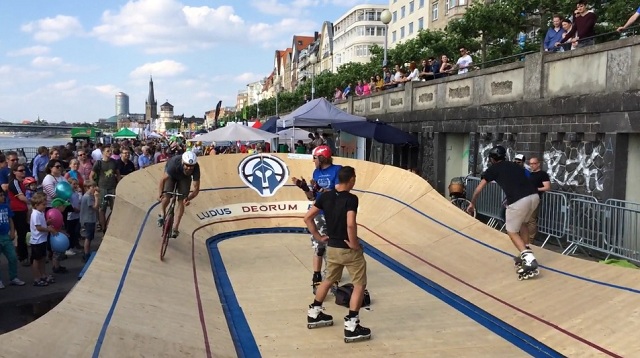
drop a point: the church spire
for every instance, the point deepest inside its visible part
(151, 108)
(151, 100)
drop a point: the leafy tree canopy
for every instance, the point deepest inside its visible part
(489, 30)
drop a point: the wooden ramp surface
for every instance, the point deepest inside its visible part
(236, 282)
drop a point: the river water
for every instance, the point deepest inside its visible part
(7, 142)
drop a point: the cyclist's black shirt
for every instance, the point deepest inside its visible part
(512, 179)
(176, 171)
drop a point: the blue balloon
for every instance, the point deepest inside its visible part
(64, 190)
(59, 242)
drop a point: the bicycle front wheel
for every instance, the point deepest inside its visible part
(166, 234)
(462, 204)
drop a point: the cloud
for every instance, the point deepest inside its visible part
(53, 29)
(166, 68)
(167, 26)
(272, 35)
(29, 51)
(108, 90)
(277, 8)
(247, 77)
(64, 85)
(47, 62)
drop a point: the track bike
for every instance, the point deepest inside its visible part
(167, 220)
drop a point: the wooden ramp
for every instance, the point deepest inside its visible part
(237, 280)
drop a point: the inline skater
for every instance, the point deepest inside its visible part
(325, 178)
(521, 198)
(344, 250)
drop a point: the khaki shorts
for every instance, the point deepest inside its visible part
(184, 186)
(353, 260)
(520, 212)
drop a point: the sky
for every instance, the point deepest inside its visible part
(65, 60)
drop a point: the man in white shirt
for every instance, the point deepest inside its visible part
(464, 62)
(96, 155)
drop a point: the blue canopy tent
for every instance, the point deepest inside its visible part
(379, 131)
(317, 113)
(270, 125)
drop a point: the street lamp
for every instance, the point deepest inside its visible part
(385, 17)
(276, 84)
(258, 91)
(312, 60)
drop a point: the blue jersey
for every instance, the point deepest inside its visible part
(326, 178)
(5, 215)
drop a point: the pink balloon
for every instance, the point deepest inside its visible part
(54, 218)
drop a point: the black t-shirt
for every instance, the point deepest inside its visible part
(126, 168)
(537, 178)
(176, 171)
(335, 205)
(512, 179)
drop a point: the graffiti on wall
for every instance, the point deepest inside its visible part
(483, 153)
(579, 166)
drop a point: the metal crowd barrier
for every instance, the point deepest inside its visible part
(553, 216)
(623, 204)
(489, 202)
(610, 229)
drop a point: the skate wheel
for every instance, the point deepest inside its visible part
(520, 278)
(309, 326)
(346, 340)
(536, 272)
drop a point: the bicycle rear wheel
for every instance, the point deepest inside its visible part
(462, 204)
(166, 233)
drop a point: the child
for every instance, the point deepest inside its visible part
(38, 241)
(60, 205)
(89, 215)
(73, 217)
(7, 235)
(32, 186)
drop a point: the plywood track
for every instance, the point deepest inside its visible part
(237, 281)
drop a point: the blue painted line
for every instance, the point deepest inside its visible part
(116, 297)
(87, 264)
(243, 340)
(114, 303)
(246, 345)
(607, 284)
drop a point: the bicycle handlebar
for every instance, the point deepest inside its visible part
(172, 193)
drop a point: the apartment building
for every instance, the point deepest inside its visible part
(355, 32)
(410, 16)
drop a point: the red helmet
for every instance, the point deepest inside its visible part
(321, 151)
(29, 180)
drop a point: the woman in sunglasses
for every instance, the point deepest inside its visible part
(18, 203)
(54, 176)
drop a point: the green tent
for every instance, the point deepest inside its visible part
(85, 132)
(125, 133)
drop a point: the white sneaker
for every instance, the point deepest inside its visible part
(70, 252)
(1, 285)
(16, 282)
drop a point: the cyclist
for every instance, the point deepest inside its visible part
(179, 172)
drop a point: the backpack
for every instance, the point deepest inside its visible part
(343, 296)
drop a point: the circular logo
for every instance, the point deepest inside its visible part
(263, 173)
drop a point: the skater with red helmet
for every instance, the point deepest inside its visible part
(325, 178)
(522, 199)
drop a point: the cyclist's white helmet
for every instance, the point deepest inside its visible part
(189, 158)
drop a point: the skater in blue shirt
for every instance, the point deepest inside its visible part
(325, 178)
